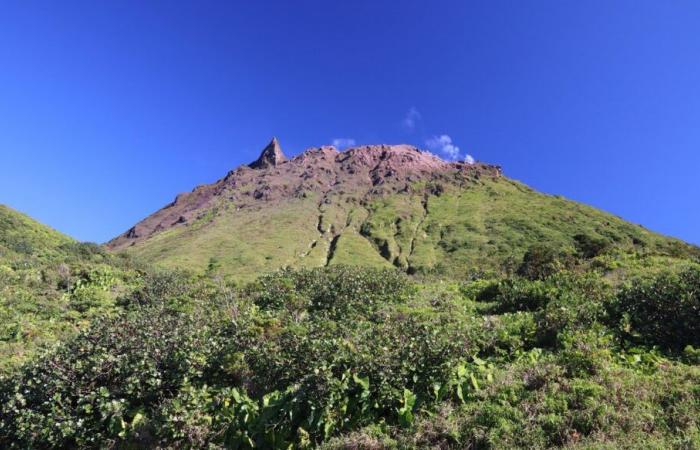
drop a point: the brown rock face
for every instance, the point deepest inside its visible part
(355, 175)
(270, 157)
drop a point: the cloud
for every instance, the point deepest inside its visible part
(343, 142)
(444, 145)
(411, 120)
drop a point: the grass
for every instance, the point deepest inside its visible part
(246, 242)
(451, 232)
(50, 286)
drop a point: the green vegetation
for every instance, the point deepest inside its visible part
(347, 357)
(479, 316)
(436, 229)
(50, 286)
(665, 310)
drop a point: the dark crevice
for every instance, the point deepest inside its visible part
(311, 247)
(331, 249)
(397, 235)
(424, 203)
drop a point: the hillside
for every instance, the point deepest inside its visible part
(551, 324)
(379, 206)
(50, 285)
(20, 234)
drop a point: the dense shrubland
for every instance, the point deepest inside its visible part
(52, 286)
(590, 355)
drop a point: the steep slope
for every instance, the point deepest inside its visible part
(380, 205)
(50, 285)
(20, 234)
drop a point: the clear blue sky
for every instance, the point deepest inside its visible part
(107, 111)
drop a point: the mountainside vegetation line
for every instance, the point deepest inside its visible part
(349, 357)
(51, 286)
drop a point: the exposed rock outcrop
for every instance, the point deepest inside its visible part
(271, 156)
(359, 172)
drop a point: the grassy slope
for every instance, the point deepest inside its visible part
(244, 242)
(483, 226)
(39, 300)
(479, 227)
(21, 234)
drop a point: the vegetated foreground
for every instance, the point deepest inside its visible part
(354, 358)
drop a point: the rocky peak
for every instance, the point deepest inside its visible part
(354, 175)
(271, 156)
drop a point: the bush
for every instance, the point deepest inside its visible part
(110, 380)
(97, 388)
(539, 262)
(564, 301)
(334, 292)
(354, 358)
(575, 302)
(516, 294)
(589, 246)
(663, 311)
(84, 250)
(155, 374)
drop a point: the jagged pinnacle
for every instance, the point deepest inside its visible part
(270, 156)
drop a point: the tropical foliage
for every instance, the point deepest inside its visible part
(368, 358)
(592, 345)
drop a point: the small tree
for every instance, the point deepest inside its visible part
(664, 311)
(589, 246)
(539, 262)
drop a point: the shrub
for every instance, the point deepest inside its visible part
(97, 388)
(575, 302)
(334, 292)
(663, 311)
(355, 358)
(539, 262)
(564, 301)
(589, 246)
(176, 290)
(84, 250)
(84, 298)
(516, 294)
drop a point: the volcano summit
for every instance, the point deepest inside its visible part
(377, 205)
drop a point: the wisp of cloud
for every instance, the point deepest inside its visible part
(444, 145)
(412, 117)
